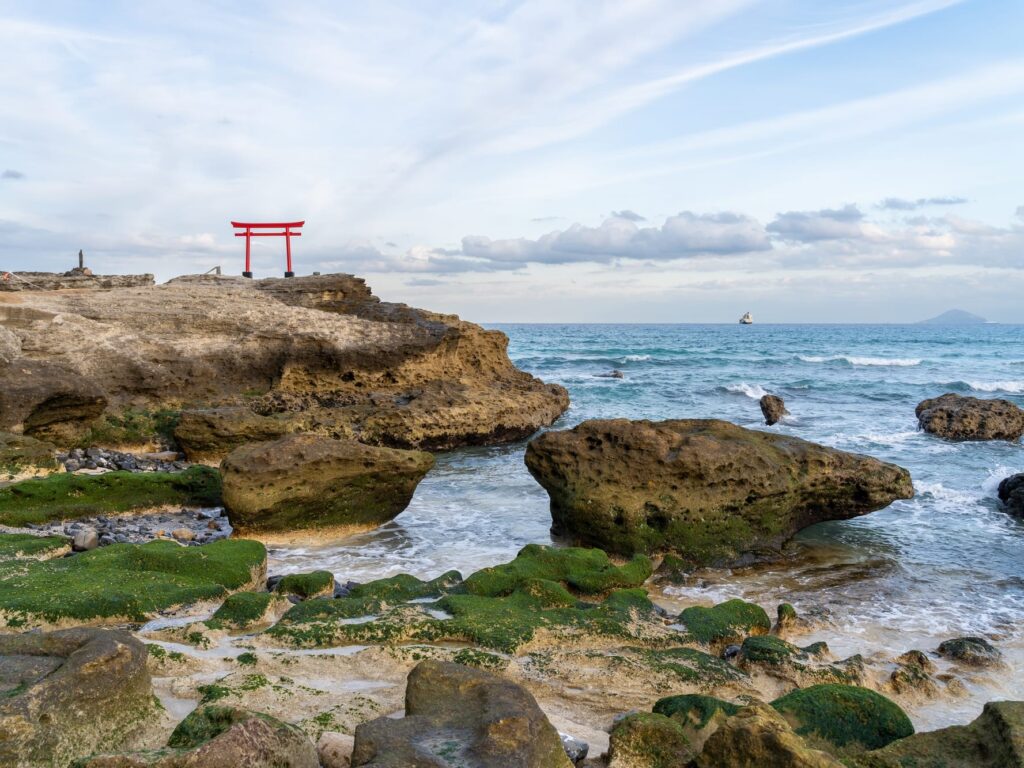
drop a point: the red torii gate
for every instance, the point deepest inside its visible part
(286, 232)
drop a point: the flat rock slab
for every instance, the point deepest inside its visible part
(707, 490)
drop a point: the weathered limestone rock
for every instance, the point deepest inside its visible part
(647, 740)
(1011, 493)
(314, 354)
(67, 693)
(971, 651)
(209, 434)
(335, 749)
(75, 279)
(708, 490)
(309, 482)
(218, 737)
(956, 417)
(455, 715)
(774, 408)
(994, 740)
(47, 400)
(759, 737)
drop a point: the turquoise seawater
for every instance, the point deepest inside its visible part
(948, 562)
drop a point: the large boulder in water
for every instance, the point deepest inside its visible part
(708, 490)
(302, 482)
(67, 693)
(218, 737)
(774, 408)
(456, 715)
(956, 417)
(1011, 493)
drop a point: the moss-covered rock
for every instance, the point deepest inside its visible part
(913, 674)
(307, 585)
(69, 692)
(301, 482)
(584, 571)
(844, 718)
(994, 740)
(247, 610)
(124, 582)
(691, 666)
(777, 658)
(706, 490)
(216, 736)
(22, 456)
(694, 708)
(65, 496)
(726, 623)
(648, 740)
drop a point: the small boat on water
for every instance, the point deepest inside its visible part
(747, 319)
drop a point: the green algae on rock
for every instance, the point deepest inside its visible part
(586, 571)
(245, 610)
(844, 718)
(995, 739)
(693, 708)
(646, 740)
(124, 582)
(307, 585)
(707, 490)
(65, 496)
(215, 736)
(303, 482)
(726, 623)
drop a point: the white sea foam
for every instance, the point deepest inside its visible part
(636, 358)
(1013, 387)
(756, 391)
(893, 361)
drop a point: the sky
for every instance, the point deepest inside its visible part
(640, 161)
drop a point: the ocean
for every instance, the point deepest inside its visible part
(947, 563)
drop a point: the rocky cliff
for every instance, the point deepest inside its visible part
(229, 360)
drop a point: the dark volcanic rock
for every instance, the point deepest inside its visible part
(456, 715)
(1011, 493)
(707, 490)
(223, 737)
(66, 693)
(956, 417)
(774, 408)
(972, 651)
(305, 481)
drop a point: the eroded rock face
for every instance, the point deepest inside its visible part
(218, 737)
(708, 490)
(1011, 493)
(318, 354)
(456, 715)
(67, 693)
(774, 408)
(956, 417)
(309, 482)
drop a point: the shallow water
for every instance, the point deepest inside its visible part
(948, 562)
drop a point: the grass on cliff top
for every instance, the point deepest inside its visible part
(64, 496)
(586, 571)
(129, 581)
(846, 717)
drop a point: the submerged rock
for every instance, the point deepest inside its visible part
(971, 651)
(956, 417)
(1011, 493)
(455, 715)
(68, 693)
(218, 737)
(708, 490)
(774, 408)
(308, 482)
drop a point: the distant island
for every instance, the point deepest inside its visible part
(954, 317)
